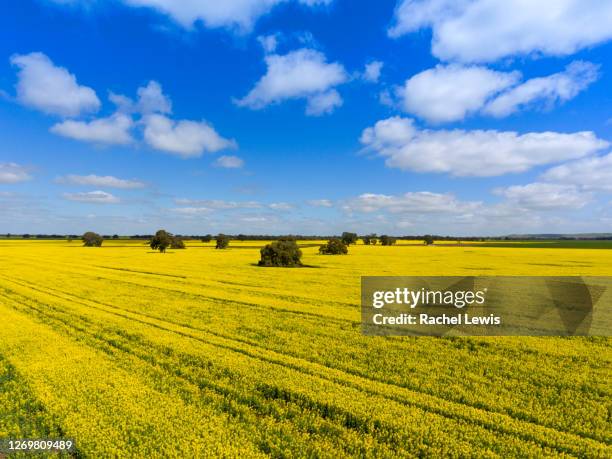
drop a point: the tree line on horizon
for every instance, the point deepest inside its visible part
(283, 252)
(267, 237)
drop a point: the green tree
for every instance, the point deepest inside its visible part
(177, 243)
(369, 239)
(91, 239)
(428, 239)
(222, 241)
(284, 252)
(387, 240)
(161, 241)
(348, 238)
(334, 247)
(206, 239)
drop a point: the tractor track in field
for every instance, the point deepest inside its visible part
(349, 420)
(263, 295)
(321, 370)
(67, 296)
(111, 345)
(268, 392)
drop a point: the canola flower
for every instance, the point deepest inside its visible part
(200, 353)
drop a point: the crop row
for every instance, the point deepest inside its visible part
(346, 400)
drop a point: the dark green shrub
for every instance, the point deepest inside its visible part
(428, 240)
(177, 243)
(161, 241)
(222, 241)
(333, 247)
(91, 239)
(387, 240)
(284, 252)
(369, 239)
(348, 238)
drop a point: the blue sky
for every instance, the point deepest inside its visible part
(305, 116)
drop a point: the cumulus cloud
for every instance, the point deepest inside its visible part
(94, 197)
(235, 14)
(229, 162)
(412, 202)
(545, 196)
(268, 43)
(323, 103)
(300, 74)
(13, 173)
(51, 89)
(192, 211)
(589, 173)
(550, 90)
(100, 181)
(189, 139)
(477, 153)
(218, 204)
(320, 203)
(280, 206)
(151, 99)
(449, 93)
(186, 138)
(372, 71)
(113, 130)
(486, 30)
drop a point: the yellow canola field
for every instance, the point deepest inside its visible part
(200, 353)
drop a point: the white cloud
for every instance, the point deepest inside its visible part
(151, 99)
(545, 196)
(94, 197)
(100, 181)
(280, 206)
(550, 90)
(487, 30)
(218, 204)
(124, 104)
(449, 93)
(229, 162)
(300, 74)
(254, 219)
(320, 203)
(114, 129)
(473, 153)
(13, 173)
(590, 173)
(412, 202)
(372, 71)
(235, 14)
(51, 89)
(268, 43)
(323, 103)
(189, 139)
(192, 211)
